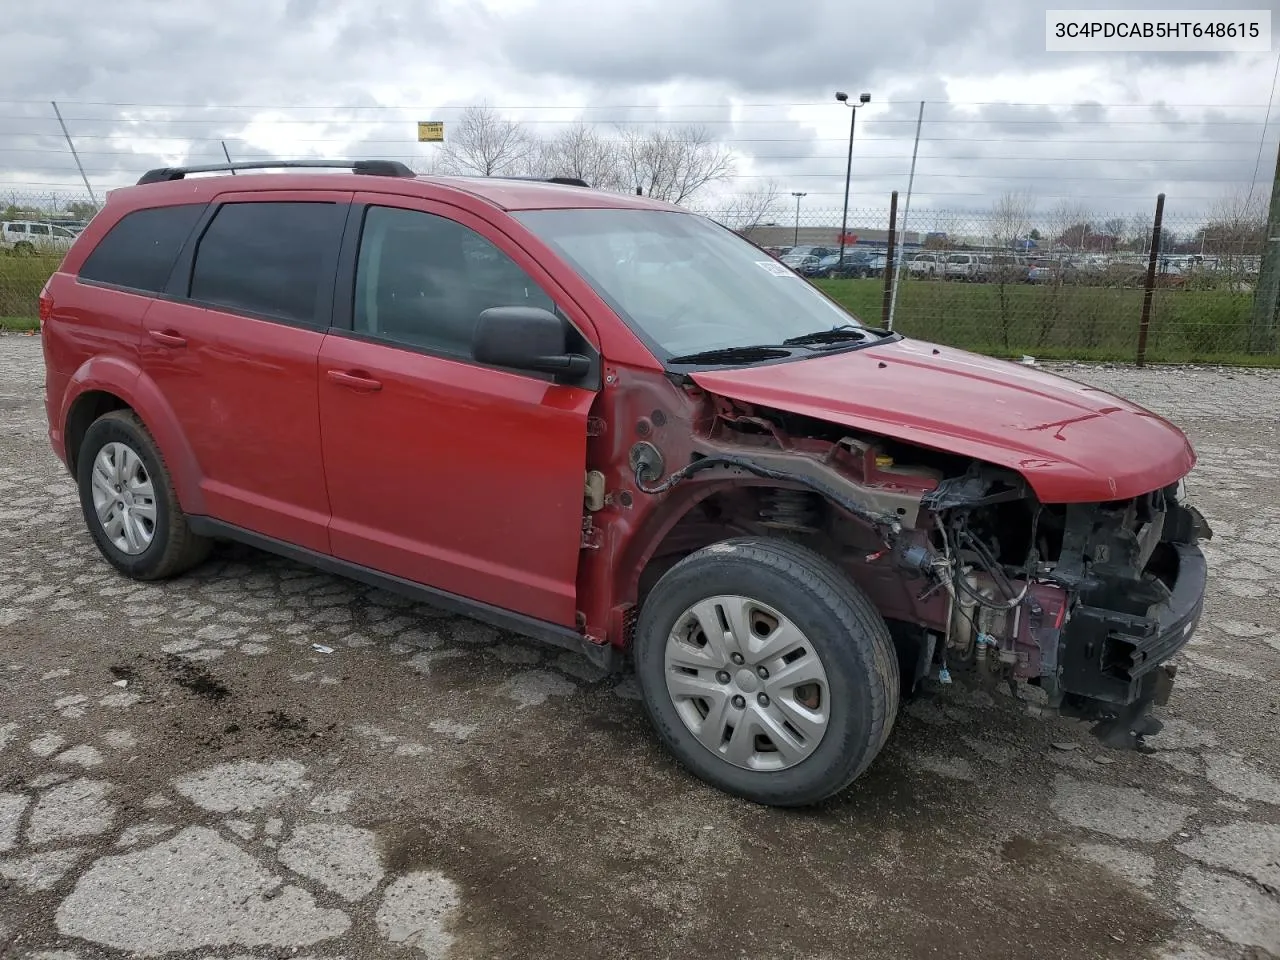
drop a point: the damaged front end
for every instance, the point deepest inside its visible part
(1100, 599)
(1086, 601)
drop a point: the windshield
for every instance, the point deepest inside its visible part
(683, 282)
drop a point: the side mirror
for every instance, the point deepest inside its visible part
(527, 338)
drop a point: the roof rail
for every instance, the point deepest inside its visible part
(374, 168)
(566, 181)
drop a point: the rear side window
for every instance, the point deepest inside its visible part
(268, 258)
(140, 250)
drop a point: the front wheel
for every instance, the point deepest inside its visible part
(766, 671)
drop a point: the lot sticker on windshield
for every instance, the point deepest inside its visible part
(776, 268)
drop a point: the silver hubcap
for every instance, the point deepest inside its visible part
(123, 498)
(747, 683)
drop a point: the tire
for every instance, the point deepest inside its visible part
(837, 624)
(171, 548)
(23, 249)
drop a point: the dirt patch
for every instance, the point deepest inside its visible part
(279, 720)
(122, 671)
(193, 677)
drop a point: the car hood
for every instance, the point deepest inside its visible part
(1073, 443)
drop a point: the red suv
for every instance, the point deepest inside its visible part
(614, 425)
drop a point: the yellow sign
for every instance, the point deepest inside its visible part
(430, 131)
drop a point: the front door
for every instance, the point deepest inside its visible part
(234, 348)
(465, 478)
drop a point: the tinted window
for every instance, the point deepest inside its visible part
(15, 228)
(40, 228)
(268, 258)
(424, 280)
(139, 251)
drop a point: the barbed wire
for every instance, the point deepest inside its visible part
(1086, 104)
(1207, 168)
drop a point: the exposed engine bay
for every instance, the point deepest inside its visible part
(1087, 601)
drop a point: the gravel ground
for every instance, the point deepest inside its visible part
(183, 771)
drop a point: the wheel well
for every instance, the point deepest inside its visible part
(784, 513)
(760, 510)
(88, 407)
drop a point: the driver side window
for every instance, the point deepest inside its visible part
(423, 280)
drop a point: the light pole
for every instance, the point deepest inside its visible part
(863, 99)
(795, 240)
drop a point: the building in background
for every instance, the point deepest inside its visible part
(780, 235)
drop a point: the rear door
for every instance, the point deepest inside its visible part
(463, 477)
(233, 347)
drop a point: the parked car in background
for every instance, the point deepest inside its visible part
(26, 238)
(74, 224)
(819, 269)
(925, 265)
(961, 266)
(856, 265)
(1007, 268)
(811, 251)
(1045, 270)
(803, 265)
(879, 262)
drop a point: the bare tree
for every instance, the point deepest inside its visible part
(1011, 216)
(579, 151)
(674, 164)
(430, 164)
(1069, 223)
(485, 144)
(1011, 220)
(1236, 227)
(748, 209)
(1139, 233)
(1115, 227)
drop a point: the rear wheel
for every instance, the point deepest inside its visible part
(129, 503)
(766, 671)
(23, 249)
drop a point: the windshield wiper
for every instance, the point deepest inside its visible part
(733, 355)
(846, 331)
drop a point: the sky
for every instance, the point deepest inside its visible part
(156, 84)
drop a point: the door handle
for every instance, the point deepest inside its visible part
(168, 338)
(354, 381)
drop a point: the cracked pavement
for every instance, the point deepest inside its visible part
(259, 761)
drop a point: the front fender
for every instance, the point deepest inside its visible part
(126, 380)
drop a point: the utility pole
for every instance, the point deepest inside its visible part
(795, 239)
(1266, 297)
(74, 155)
(897, 268)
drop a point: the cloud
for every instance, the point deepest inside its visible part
(156, 84)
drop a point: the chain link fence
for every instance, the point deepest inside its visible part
(1064, 286)
(36, 229)
(1010, 283)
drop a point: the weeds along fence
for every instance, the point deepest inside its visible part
(994, 283)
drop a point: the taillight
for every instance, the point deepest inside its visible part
(46, 304)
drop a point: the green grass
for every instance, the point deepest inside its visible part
(20, 281)
(1049, 322)
(1064, 322)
